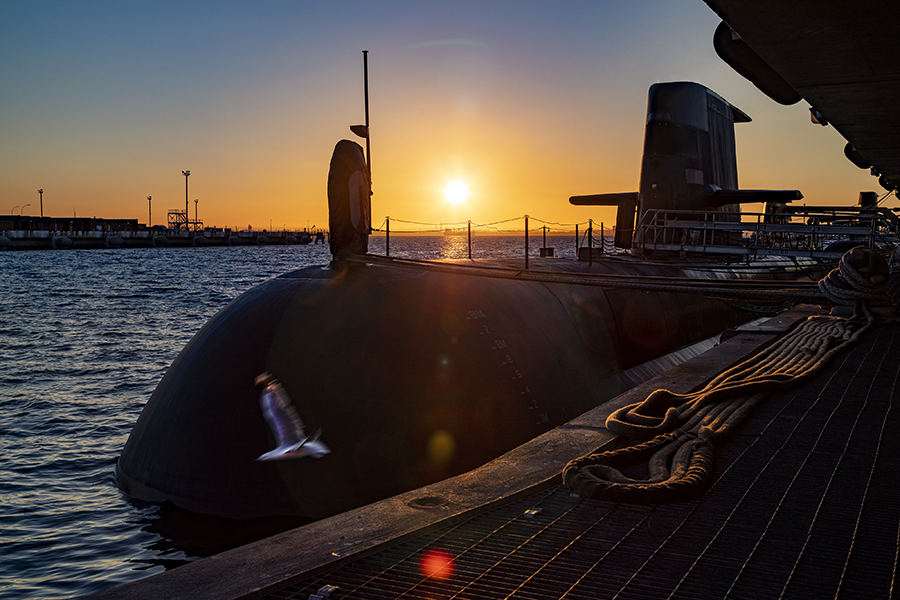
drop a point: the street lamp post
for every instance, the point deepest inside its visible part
(41, 192)
(22, 212)
(13, 211)
(186, 175)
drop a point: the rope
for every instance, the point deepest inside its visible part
(437, 226)
(682, 429)
(558, 223)
(861, 275)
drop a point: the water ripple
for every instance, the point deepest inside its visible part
(85, 336)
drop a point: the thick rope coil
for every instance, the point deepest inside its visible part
(682, 429)
(861, 275)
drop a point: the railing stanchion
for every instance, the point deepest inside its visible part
(470, 239)
(387, 236)
(872, 235)
(526, 241)
(577, 241)
(590, 242)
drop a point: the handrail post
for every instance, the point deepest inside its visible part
(590, 242)
(470, 239)
(526, 241)
(872, 235)
(577, 241)
(602, 240)
(641, 228)
(758, 233)
(387, 237)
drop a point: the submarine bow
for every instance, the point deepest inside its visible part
(412, 375)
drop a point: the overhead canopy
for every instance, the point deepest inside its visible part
(841, 57)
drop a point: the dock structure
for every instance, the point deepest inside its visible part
(802, 504)
(82, 233)
(85, 240)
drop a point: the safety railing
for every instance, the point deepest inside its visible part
(587, 244)
(818, 232)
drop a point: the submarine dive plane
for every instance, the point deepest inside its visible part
(417, 371)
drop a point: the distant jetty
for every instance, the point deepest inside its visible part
(53, 233)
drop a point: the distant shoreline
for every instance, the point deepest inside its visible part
(83, 240)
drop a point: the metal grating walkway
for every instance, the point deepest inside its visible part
(804, 503)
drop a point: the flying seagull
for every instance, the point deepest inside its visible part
(286, 424)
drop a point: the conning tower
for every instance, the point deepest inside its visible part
(689, 160)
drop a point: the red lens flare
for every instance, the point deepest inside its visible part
(437, 564)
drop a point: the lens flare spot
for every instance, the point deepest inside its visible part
(441, 448)
(437, 564)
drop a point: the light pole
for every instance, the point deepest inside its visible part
(186, 175)
(41, 192)
(22, 212)
(13, 211)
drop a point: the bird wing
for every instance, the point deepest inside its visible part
(313, 446)
(282, 416)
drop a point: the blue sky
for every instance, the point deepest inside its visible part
(105, 103)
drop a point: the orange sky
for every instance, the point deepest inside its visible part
(104, 104)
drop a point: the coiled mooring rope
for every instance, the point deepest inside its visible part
(681, 430)
(861, 275)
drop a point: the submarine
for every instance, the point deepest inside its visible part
(415, 371)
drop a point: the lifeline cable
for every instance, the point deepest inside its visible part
(681, 430)
(735, 289)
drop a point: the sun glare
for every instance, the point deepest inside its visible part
(456, 192)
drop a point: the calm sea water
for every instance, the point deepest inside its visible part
(85, 336)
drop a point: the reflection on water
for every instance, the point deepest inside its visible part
(179, 536)
(456, 247)
(85, 336)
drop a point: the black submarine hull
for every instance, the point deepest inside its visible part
(413, 372)
(416, 372)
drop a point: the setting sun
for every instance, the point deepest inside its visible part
(456, 192)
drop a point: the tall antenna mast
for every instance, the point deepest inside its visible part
(366, 87)
(363, 130)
